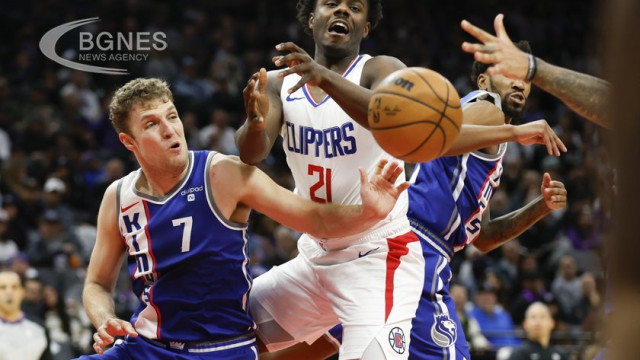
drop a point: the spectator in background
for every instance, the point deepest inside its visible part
(53, 194)
(538, 324)
(494, 321)
(58, 323)
(53, 247)
(218, 135)
(8, 247)
(20, 338)
(33, 302)
(477, 342)
(507, 266)
(533, 290)
(567, 288)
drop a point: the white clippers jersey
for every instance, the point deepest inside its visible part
(325, 147)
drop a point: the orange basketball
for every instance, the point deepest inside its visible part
(415, 114)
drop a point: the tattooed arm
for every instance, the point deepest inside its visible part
(495, 232)
(585, 94)
(582, 93)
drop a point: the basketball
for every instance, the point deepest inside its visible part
(415, 114)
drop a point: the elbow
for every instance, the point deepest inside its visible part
(482, 245)
(248, 158)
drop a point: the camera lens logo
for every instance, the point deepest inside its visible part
(103, 47)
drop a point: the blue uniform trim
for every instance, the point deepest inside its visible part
(212, 203)
(326, 98)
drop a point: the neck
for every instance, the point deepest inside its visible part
(337, 63)
(543, 341)
(161, 181)
(13, 316)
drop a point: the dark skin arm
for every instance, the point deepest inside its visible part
(582, 93)
(495, 232)
(352, 98)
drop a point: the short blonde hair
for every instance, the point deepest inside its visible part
(135, 92)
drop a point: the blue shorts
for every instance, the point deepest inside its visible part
(134, 348)
(436, 332)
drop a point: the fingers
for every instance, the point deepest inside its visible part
(363, 176)
(546, 180)
(402, 187)
(291, 59)
(498, 25)
(289, 46)
(381, 164)
(299, 84)
(262, 81)
(246, 93)
(476, 32)
(128, 328)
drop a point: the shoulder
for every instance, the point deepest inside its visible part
(274, 82)
(377, 68)
(482, 112)
(229, 167)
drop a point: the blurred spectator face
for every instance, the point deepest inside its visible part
(529, 263)
(4, 222)
(486, 300)
(220, 118)
(30, 190)
(19, 264)
(54, 189)
(588, 283)
(459, 295)
(114, 169)
(568, 268)
(32, 291)
(50, 225)
(50, 296)
(538, 322)
(511, 251)
(11, 293)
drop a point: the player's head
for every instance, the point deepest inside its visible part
(514, 93)
(11, 293)
(339, 24)
(147, 122)
(538, 322)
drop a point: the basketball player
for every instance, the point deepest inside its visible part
(448, 203)
(319, 106)
(582, 93)
(181, 219)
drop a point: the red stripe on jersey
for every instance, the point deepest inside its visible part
(153, 270)
(397, 249)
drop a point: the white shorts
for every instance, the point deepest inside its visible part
(371, 287)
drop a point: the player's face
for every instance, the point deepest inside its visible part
(11, 293)
(340, 25)
(157, 136)
(514, 94)
(538, 322)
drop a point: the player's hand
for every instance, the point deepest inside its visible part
(299, 62)
(498, 51)
(379, 193)
(107, 332)
(256, 100)
(539, 132)
(553, 192)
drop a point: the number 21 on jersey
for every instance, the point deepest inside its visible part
(323, 177)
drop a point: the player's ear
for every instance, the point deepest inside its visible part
(311, 18)
(367, 28)
(126, 140)
(483, 82)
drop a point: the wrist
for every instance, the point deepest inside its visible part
(532, 68)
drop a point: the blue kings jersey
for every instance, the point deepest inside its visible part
(188, 264)
(449, 195)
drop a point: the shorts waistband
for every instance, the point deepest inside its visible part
(436, 241)
(390, 229)
(203, 346)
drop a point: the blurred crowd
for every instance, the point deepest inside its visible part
(58, 151)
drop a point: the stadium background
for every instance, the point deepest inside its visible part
(54, 124)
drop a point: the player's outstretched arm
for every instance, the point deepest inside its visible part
(352, 98)
(483, 126)
(582, 93)
(495, 232)
(256, 136)
(253, 188)
(102, 273)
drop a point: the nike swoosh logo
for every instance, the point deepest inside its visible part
(124, 209)
(289, 98)
(367, 253)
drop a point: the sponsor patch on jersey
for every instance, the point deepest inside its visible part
(444, 332)
(397, 340)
